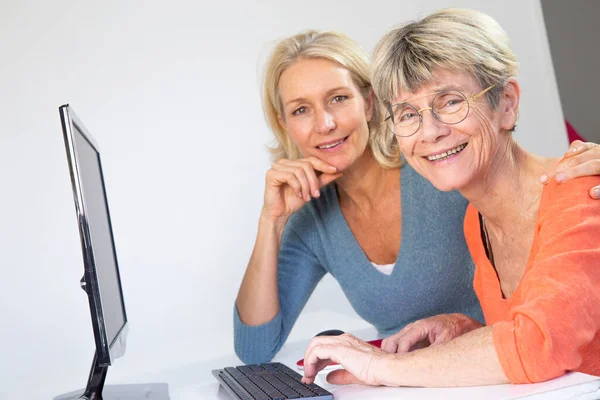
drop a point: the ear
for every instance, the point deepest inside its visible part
(509, 104)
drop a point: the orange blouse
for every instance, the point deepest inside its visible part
(551, 323)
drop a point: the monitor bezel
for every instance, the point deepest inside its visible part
(106, 352)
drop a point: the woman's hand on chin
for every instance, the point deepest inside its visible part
(289, 184)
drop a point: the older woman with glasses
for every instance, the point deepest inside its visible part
(448, 83)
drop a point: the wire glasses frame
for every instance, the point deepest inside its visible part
(437, 114)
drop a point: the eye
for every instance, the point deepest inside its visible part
(407, 116)
(339, 99)
(299, 111)
(453, 102)
(448, 102)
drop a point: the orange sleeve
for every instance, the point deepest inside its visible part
(559, 311)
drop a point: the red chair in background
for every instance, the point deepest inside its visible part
(572, 133)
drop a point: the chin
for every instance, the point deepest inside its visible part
(445, 186)
(446, 182)
(341, 163)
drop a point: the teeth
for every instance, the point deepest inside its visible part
(445, 154)
(328, 146)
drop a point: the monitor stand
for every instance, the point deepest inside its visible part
(95, 389)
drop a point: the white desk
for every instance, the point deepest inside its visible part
(195, 381)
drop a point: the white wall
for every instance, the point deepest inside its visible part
(170, 90)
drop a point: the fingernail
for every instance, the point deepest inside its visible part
(299, 194)
(574, 149)
(544, 178)
(317, 193)
(560, 178)
(597, 193)
(332, 168)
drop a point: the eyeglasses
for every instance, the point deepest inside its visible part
(448, 106)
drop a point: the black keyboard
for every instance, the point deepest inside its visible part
(270, 381)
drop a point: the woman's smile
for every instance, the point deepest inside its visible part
(332, 145)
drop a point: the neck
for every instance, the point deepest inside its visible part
(507, 192)
(366, 181)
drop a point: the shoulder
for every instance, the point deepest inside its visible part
(568, 195)
(566, 211)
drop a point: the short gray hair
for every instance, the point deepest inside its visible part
(459, 40)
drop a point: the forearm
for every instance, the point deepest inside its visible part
(258, 298)
(468, 360)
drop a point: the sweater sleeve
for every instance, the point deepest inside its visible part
(299, 272)
(560, 308)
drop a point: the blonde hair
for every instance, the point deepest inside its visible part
(455, 39)
(342, 50)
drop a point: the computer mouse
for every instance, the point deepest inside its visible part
(330, 332)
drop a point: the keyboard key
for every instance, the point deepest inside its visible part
(242, 395)
(271, 381)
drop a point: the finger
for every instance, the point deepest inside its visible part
(321, 364)
(325, 179)
(421, 344)
(279, 178)
(300, 176)
(578, 153)
(578, 147)
(315, 358)
(311, 176)
(595, 192)
(322, 350)
(589, 155)
(411, 338)
(342, 377)
(321, 165)
(558, 167)
(390, 344)
(588, 168)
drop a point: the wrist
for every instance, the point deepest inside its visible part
(271, 223)
(385, 369)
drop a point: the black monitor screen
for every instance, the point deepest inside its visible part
(98, 222)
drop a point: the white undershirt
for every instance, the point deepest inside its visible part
(384, 269)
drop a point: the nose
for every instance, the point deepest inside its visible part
(432, 130)
(324, 121)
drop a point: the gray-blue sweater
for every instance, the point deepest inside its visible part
(433, 272)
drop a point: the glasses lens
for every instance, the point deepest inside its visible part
(451, 107)
(404, 119)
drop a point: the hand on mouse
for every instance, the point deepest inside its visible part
(362, 362)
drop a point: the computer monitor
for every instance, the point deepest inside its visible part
(101, 280)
